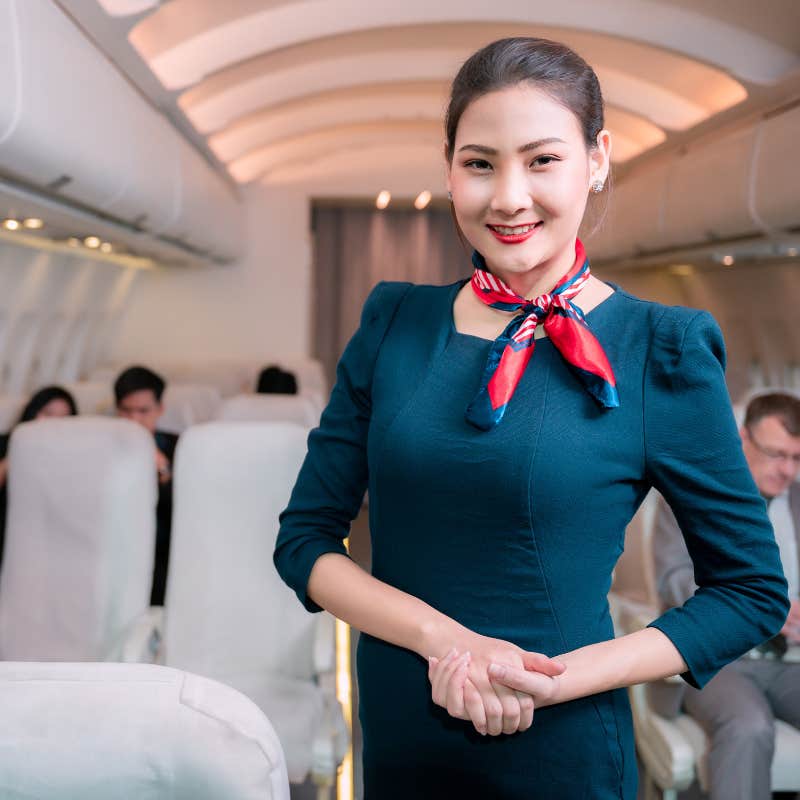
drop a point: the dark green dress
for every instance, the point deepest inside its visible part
(515, 532)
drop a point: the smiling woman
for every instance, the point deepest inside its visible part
(503, 468)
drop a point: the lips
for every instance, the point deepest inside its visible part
(514, 234)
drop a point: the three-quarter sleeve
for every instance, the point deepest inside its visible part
(694, 458)
(330, 487)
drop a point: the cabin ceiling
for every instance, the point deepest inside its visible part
(284, 91)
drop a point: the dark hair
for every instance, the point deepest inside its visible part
(44, 396)
(786, 407)
(137, 379)
(274, 380)
(551, 66)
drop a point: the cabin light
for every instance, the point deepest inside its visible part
(423, 198)
(106, 247)
(682, 269)
(728, 260)
(33, 223)
(73, 241)
(92, 241)
(11, 224)
(792, 251)
(384, 198)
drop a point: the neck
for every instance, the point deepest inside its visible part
(538, 279)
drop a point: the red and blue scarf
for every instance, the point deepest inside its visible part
(512, 350)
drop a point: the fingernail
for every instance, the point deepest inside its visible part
(464, 658)
(453, 652)
(496, 671)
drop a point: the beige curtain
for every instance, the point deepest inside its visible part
(355, 248)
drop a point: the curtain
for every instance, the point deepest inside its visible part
(355, 248)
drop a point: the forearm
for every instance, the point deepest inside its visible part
(341, 587)
(639, 657)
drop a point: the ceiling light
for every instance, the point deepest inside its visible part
(682, 269)
(73, 241)
(11, 224)
(92, 241)
(383, 200)
(792, 251)
(33, 223)
(423, 198)
(106, 247)
(728, 260)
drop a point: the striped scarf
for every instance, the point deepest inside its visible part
(512, 350)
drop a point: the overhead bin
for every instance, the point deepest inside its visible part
(72, 126)
(739, 184)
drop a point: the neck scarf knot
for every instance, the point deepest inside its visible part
(510, 353)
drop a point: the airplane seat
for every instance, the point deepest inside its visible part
(80, 537)
(93, 397)
(94, 731)
(228, 615)
(187, 404)
(673, 748)
(270, 408)
(11, 406)
(229, 377)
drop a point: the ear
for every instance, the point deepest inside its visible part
(600, 157)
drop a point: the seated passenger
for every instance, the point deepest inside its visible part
(738, 707)
(138, 393)
(274, 380)
(51, 401)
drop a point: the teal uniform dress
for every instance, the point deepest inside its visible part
(514, 532)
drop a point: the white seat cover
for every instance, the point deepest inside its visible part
(271, 408)
(228, 614)
(102, 731)
(80, 535)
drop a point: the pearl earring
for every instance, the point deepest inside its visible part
(597, 186)
(450, 196)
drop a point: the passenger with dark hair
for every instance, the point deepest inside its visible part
(508, 426)
(739, 706)
(50, 401)
(274, 380)
(138, 392)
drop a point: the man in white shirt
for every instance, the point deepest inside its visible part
(738, 707)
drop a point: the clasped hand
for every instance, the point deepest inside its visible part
(494, 684)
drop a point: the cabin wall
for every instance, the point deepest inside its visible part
(254, 309)
(57, 314)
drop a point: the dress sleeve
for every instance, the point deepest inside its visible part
(694, 458)
(330, 487)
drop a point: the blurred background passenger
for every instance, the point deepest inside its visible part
(138, 392)
(274, 380)
(738, 707)
(51, 401)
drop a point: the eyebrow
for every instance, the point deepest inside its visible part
(490, 151)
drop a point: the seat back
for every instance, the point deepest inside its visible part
(227, 611)
(271, 408)
(80, 534)
(97, 731)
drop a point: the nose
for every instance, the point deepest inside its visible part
(512, 193)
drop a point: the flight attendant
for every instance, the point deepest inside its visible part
(508, 427)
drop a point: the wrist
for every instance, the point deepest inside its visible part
(436, 634)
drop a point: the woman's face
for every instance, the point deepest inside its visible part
(520, 178)
(55, 408)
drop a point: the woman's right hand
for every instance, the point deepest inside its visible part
(460, 683)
